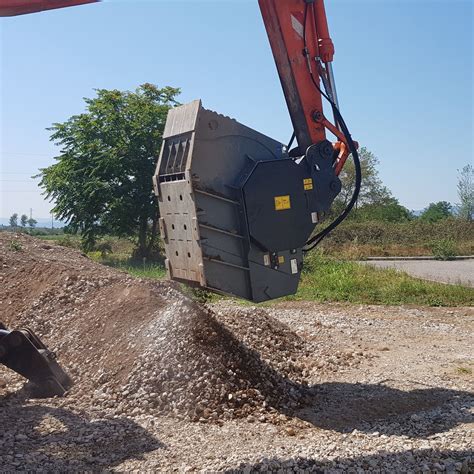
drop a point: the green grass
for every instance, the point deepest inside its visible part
(54, 237)
(135, 268)
(331, 280)
(153, 271)
(327, 279)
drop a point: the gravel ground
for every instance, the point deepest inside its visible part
(456, 272)
(165, 384)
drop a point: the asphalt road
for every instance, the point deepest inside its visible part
(459, 272)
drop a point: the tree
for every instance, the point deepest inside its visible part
(375, 200)
(101, 182)
(389, 211)
(372, 190)
(14, 220)
(437, 211)
(24, 220)
(32, 223)
(466, 193)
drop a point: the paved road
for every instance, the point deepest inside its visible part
(454, 272)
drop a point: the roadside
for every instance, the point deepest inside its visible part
(456, 272)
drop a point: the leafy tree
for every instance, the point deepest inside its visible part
(101, 182)
(437, 211)
(24, 220)
(389, 211)
(14, 220)
(466, 193)
(372, 190)
(32, 223)
(375, 201)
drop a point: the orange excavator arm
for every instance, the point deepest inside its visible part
(303, 50)
(22, 7)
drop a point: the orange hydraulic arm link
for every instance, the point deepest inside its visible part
(22, 7)
(303, 50)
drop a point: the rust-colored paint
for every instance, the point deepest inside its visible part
(287, 29)
(22, 7)
(285, 24)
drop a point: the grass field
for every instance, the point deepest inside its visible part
(326, 279)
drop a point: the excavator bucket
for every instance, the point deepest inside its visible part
(236, 210)
(23, 352)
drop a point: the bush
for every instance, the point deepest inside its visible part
(104, 247)
(444, 249)
(15, 246)
(69, 242)
(406, 233)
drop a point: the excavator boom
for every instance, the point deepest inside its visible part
(22, 7)
(293, 26)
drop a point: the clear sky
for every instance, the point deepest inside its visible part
(404, 70)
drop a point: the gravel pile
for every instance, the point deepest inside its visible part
(166, 385)
(196, 364)
(136, 346)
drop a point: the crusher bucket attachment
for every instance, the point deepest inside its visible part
(236, 210)
(23, 352)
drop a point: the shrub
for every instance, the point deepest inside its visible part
(68, 241)
(406, 233)
(16, 246)
(104, 247)
(444, 249)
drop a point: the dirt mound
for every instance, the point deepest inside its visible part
(141, 346)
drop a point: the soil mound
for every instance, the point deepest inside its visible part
(142, 346)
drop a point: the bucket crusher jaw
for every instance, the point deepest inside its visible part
(236, 210)
(239, 209)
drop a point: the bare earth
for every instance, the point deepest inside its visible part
(456, 272)
(164, 384)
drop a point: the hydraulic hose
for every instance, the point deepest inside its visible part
(316, 240)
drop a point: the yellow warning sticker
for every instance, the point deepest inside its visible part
(308, 184)
(282, 203)
(281, 260)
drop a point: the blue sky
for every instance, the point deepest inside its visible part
(404, 71)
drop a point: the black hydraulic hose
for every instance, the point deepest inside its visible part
(292, 139)
(316, 240)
